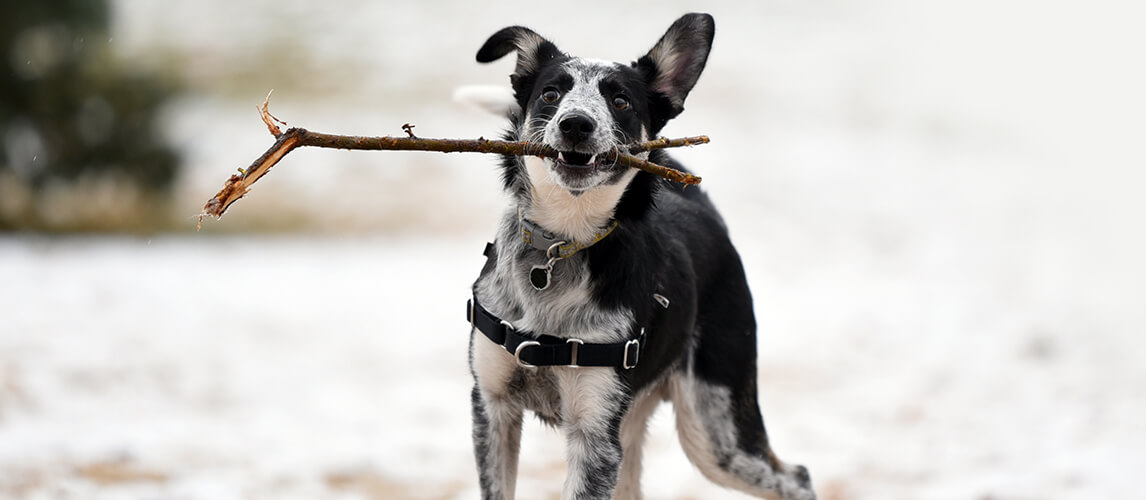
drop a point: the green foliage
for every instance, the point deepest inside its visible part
(69, 111)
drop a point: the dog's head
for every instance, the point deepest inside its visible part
(584, 108)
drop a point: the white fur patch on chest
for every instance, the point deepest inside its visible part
(576, 216)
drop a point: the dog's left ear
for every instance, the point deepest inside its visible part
(674, 64)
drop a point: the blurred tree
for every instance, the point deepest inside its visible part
(70, 112)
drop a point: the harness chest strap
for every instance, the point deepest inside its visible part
(547, 350)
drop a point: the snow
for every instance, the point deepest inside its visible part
(938, 205)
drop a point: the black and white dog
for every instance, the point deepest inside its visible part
(609, 290)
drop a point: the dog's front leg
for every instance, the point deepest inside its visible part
(593, 403)
(497, 439)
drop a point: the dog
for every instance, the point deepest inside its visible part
(608, 290)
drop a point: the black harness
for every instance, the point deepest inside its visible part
(531, 350)
(546, 350)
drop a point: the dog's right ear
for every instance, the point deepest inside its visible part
(533, 51)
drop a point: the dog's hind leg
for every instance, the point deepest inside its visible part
(497, 439)
(723, 434)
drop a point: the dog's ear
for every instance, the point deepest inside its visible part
(533, 51)
(674, 64)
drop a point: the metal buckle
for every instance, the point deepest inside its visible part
(473, 318)
(517, 353)
(577, 343)
(636, 357)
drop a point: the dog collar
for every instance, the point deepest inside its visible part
(554, 246)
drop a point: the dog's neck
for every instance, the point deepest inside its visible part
(576, 216)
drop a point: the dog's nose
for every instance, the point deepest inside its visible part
(576, 127)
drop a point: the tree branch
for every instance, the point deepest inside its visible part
(238, 185)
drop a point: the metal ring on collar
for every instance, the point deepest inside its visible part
(517, 353)
(554, 246)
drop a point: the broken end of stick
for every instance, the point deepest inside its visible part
(685, 178)
(217, 205)
(268, 118)
(685, 141)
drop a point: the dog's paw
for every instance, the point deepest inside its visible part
(797, 484)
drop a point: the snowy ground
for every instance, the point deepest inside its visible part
(198, 367)
(939, 208)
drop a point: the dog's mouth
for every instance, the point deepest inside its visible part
(577, 161)
(577, 171)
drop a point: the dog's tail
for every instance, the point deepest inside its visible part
(490, 98)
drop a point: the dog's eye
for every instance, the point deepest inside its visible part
(550, 95)
(620, 103)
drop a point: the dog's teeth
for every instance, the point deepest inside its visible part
(592, 160)
(560, 156)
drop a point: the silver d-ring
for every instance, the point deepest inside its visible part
(517, 353)
(636, 356)
(577, 343)
(549, 252)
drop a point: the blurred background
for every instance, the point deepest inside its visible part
(938, 204)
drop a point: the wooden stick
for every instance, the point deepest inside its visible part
(238, 185)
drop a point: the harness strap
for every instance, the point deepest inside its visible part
(547, 350)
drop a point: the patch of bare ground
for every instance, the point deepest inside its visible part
(114, 472)
(377, 487)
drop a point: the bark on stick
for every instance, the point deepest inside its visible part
(239, 184)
